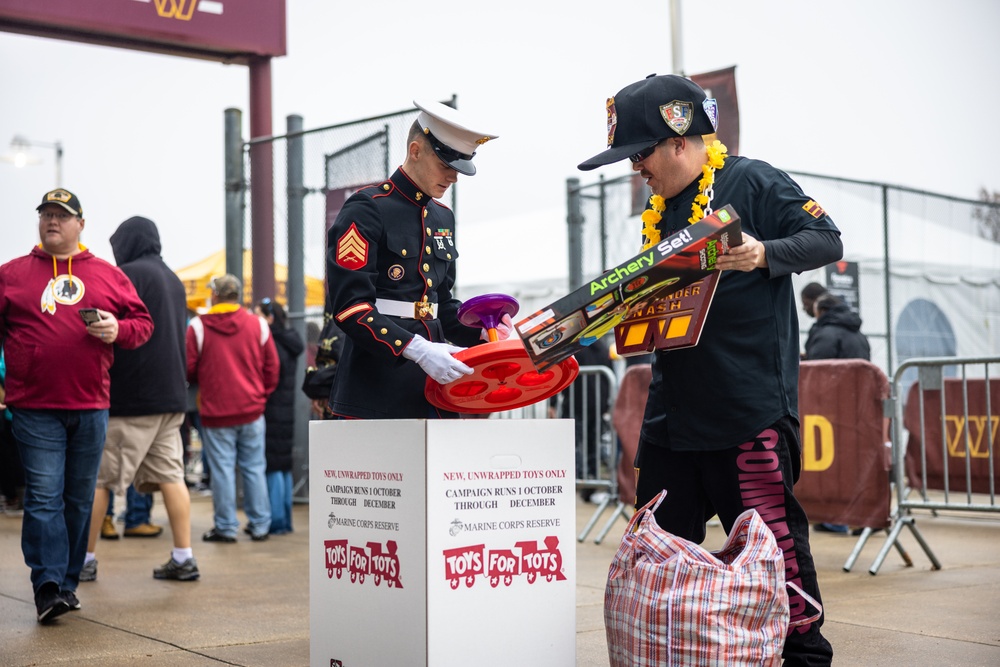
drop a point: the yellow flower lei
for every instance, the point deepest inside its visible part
(652, 216)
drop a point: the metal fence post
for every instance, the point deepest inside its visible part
(296, 286)
(574, 227)
(888, 281)
(603, 206)
(296, 292)
(235, 189)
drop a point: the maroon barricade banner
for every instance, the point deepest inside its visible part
(845, 463)
(630, 405)
(969, 446)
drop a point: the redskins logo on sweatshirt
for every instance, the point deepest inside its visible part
(64, 289)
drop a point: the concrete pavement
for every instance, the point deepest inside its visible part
(251, 606)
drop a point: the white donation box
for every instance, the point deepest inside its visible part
(442, 542)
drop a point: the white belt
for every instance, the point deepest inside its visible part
(414, 310)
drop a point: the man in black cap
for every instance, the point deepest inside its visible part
(390, 270)
(721, 428)
(61, 310)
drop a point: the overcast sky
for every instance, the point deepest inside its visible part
(901, 91)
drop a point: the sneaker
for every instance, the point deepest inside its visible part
(186, 571)
(255, 536)
(144, 530)
(108, 530)
(599, 497)
(73, 602)
(49, 602)
(215, 536)
(89, 571)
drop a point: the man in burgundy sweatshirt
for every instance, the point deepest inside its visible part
(61, 310)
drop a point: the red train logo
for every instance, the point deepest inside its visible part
(464, 564)
(374, 559)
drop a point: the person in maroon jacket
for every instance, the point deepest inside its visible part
(61, 309)
(232, 358)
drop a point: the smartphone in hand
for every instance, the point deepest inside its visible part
(89, 316)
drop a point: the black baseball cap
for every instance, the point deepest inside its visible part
(646, 112)
(64, 198)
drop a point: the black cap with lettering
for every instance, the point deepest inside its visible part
(646, 112)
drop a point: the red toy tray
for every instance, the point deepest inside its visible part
(503, 379)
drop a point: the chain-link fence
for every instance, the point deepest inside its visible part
(314, 172)
(326, 166)
(929, 264)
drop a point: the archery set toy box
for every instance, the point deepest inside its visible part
(655, 300)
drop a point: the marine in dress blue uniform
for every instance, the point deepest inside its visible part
(391, 272)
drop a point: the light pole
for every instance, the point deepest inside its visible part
(20, 155)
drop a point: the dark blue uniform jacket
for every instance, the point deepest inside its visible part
(390, 241)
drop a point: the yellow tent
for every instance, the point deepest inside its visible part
(197, 276)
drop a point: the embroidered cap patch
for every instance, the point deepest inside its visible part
(612, 120)
(712, 109)
(352, 249)
(678, 115)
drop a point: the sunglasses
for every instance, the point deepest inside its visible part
(644, 153)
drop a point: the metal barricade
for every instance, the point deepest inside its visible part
(588, 402)
(949, 420)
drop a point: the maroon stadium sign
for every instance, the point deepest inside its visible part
(226, 30)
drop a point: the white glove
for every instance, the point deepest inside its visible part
(504, 327)
(436, 360)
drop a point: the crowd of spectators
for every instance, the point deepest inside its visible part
(137, 373)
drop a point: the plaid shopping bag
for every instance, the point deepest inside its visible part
(670, 602)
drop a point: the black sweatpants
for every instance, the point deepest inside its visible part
(758, 474)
